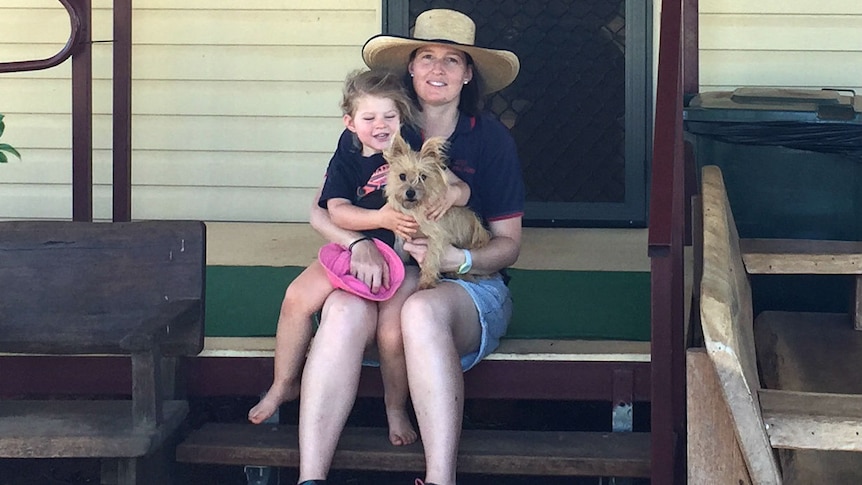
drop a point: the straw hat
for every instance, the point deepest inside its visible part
(497, 68)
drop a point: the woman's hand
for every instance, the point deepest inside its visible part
(452, 256)
(401, 224)
(368, 265)
(417, 248)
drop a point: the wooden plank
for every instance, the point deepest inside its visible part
(84, 287)
(250, 204)
(257, 5)
(495, 452)
(847, 85)
(80, 428)
(813, 353)
(801, 256)
(203, 27)
(713, 454)
(780, 32)
(780, 7)
(509, 349)
(250, 376)
(192, 133)
(258, 244)
(207, 97)
(726, 316)
(816, 421)
(209, 4)
(779, 69)
(857, 304)
(254, 27)
(224, 63)
(182, 168)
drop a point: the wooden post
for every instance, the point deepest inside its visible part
(856, 306)
(146, 388)
(713, 453)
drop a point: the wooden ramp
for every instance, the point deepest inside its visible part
(768, 414)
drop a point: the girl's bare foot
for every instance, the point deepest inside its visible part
(401, 431)
(275, 396)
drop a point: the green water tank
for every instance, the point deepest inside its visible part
(791, 158)
(792, 164)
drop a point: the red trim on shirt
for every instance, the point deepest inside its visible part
(506, 216)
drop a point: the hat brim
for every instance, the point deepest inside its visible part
(336, 261)
(498, 68)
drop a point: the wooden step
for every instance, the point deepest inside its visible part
(493, 452)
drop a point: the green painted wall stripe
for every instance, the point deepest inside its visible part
(243, 301)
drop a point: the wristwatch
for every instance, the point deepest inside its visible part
(468, 262)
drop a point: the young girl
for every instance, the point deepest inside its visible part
(374, 106)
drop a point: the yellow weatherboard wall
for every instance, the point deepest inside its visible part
(235, 105)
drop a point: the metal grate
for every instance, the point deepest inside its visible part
(567, 107)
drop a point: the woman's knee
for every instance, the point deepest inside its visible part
(421, 315)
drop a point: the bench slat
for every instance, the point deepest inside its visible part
(80, 287)
(509, 349)
(815, 421)
(801, 256)
(496, 452)
(80, 429)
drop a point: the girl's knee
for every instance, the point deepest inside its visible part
(389, 337)
(297, 301)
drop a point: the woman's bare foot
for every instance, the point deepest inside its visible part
(401, 431)
(276, 395)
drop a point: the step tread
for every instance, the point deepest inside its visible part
(499, 452)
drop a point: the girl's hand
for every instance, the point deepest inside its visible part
(401, 224)
(368, 266)
(441, 205)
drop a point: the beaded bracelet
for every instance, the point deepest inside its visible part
(354, 243)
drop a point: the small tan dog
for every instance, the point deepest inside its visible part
(415, 179)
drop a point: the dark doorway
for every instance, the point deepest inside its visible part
(579, 107)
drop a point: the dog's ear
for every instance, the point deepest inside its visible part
(397, 148)
(434, 147)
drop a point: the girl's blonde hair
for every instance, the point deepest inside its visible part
(379, 83)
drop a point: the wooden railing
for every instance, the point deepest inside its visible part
(76, 33)
(677, 71)
(79, 48)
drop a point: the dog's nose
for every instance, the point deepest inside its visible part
(410, 193)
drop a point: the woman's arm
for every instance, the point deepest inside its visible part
(366, 262)
(323, 224)
(501, 252)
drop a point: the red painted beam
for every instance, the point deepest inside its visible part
(82, 119)
(241, 376)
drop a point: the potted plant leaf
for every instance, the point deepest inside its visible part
(5, 147)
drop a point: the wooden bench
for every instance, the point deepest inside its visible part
(765, 419)
(534, 369)
(134, 289)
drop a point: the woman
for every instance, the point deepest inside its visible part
(448, 329)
